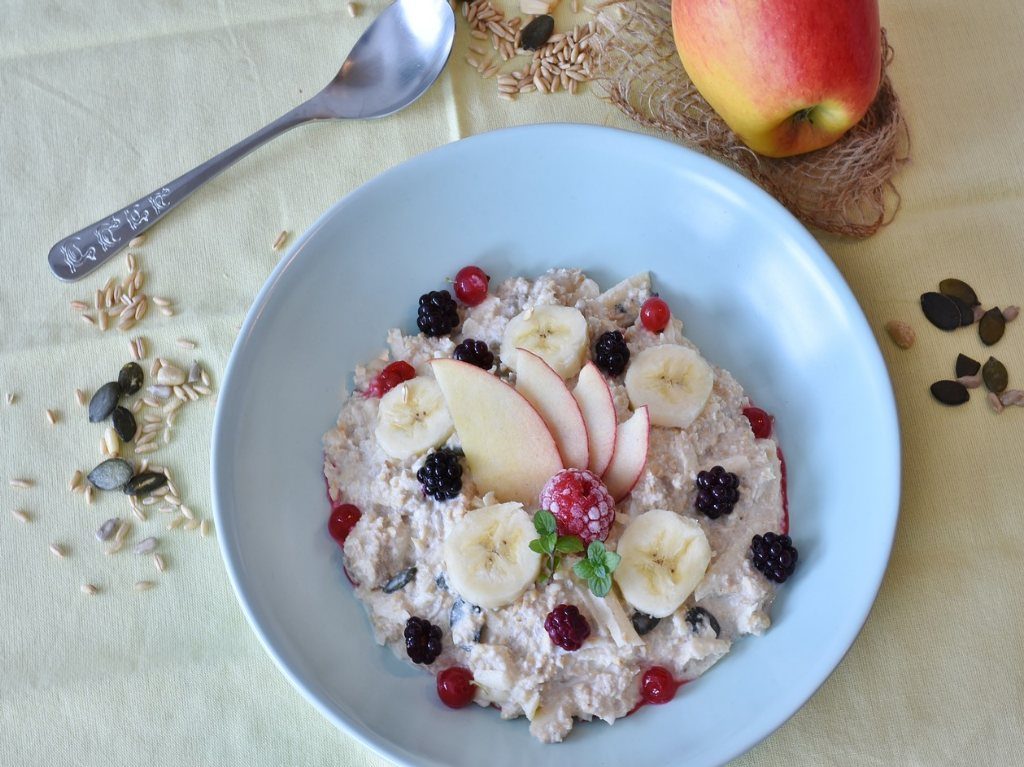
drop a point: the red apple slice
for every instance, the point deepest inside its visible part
(630, 456)
(546, 391)
(598, 408)
(508, 447)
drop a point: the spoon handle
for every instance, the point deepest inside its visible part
(79, 254)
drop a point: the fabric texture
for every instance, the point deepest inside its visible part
(103, 101)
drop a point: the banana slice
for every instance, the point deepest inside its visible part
(673, 381)
(412, 418)
(556, 334)
(488, 555)
(664, 557)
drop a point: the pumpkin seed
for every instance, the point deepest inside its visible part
(130, 378)
(994, 375)
(940, 311)
(950, 392)
(644, 623)
(965, 366)
(440, 582)
(145, 483)
(103, 402)
(111, 474)
(959, 289)
(536, 33)
(124, 423)
(966, 312)
(991, 326)
(400, 580)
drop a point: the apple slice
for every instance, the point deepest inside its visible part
(630, 457)
(546, 390)
(598, 408)
(508, 447)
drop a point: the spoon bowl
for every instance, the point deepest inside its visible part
(395, 61)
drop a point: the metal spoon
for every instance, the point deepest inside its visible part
(390, 66)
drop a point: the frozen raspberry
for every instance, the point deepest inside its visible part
(581, 504)
(455, 687)
(567, 627)
(389, 378)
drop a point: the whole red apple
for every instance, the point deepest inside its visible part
(788, 76)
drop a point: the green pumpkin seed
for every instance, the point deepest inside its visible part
(950, 392)
(145, 483)
(111, 474)
(965, 366)
(103, 402)
(959, 289)
(400, 580)
(130, 378)
(994, 375)
(124, 423)
(940, 311)
(536, 33)
(991, 326)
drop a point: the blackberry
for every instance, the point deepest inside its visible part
(567, 627)
(475, 353)
(698, 618)
(774, 555)
(441, 475)
(717, 492)
(611, 353)
(438, 314)
(422, 640)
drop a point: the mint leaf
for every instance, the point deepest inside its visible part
(611, 560)
(601, 586)
(596, 552)
(548, 541)
(568, 544)
(538, 546)
(544, 523)
(584, 569)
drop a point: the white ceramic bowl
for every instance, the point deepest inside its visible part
(756, 293)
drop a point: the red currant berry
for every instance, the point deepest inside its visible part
(455, 687)
(389, 378)
(343, 519)
(471, 285)
(657, 685)
(655, 314)
(760, 422)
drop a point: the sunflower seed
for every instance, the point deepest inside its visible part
(971, 382)
(166, 311)
(57, 550)
(192, 524)
(144, 585)
(145, 483)
(123, 531)
(135, 242)
(991, 326)
(140, 514)
(280, 240)
(159, 563)
(175, 523)
(195, 374)
(112, 474)
(111, 442)
(76, 481)
(1012, 397)
(160, 301)
(145, 546)
(163, 392)
(89, 590)
(80, 397)
(21, 483)
(11, 398)
(960, 290)
(940, 310)
(995, 376)
(113, 548)
(88, 494)
(103, 402)
(1010, 313)
(107, 530)
(79, 306)
(130, 378)
(950, 392)
(204, 528)
(186, 512)
(965, 366)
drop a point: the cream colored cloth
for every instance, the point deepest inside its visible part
(104, 100)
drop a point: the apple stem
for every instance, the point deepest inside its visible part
(804, 114)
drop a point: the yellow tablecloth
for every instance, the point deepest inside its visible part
(102, 101)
